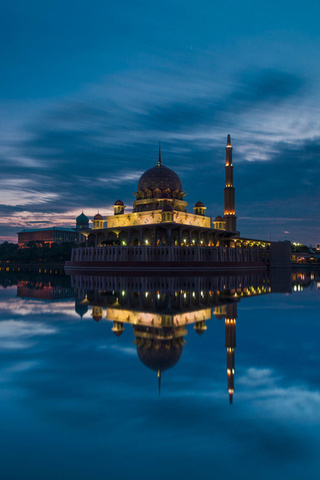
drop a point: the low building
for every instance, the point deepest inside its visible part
(50, 235)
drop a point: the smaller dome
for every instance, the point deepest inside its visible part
(97, 318)
(119, 202)
(98, 217)
(81, 308)
(167, 208)
(199, 330)
(82, 219)
(218, 219)
(118, 332)
(199, 204)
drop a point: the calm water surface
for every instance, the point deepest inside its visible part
(133, 377)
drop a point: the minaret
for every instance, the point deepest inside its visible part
(159, 159)
(230, 336)
(229, 203)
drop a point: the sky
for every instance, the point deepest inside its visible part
(89, 89)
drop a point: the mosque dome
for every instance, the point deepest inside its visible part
(218, 219)
(98, 217)
(199, 329)
(159, 356)
(119, 202)
(199, 204)
(82, 219)
(160, 177)
(118, 332)
(81, 308)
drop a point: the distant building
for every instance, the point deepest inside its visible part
(50, 235)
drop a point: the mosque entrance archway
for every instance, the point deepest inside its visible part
(91, 240)
(123, 238)
(112, 239)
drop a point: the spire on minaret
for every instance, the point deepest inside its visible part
(159, 377)
(228, 141)
(159, 161)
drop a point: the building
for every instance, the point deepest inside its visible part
(162, 310)
(168, 235)
(159, 215)
(50, 235)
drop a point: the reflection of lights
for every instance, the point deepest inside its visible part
(146, 242)
(158, 296)
(184, 295)
(123, 293)
(146, 294)
(193, 294)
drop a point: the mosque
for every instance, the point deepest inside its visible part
(168, 235)
(161, 311)
(159, 215)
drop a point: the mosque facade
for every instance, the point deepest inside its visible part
(159, 215)
(168, 235)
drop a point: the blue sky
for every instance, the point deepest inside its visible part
(89, 89)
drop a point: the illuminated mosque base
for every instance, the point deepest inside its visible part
(166, 258)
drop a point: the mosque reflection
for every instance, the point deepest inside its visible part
(159, 309)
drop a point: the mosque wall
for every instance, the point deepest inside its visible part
(154, 217)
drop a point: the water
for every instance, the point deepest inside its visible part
(78, 401)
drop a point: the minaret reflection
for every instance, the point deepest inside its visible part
(230, 343)
(161, 311)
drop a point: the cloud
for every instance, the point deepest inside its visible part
(268, 392)
(18, 334)
(87, 151)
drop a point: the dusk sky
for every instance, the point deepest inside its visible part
(88, 89)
